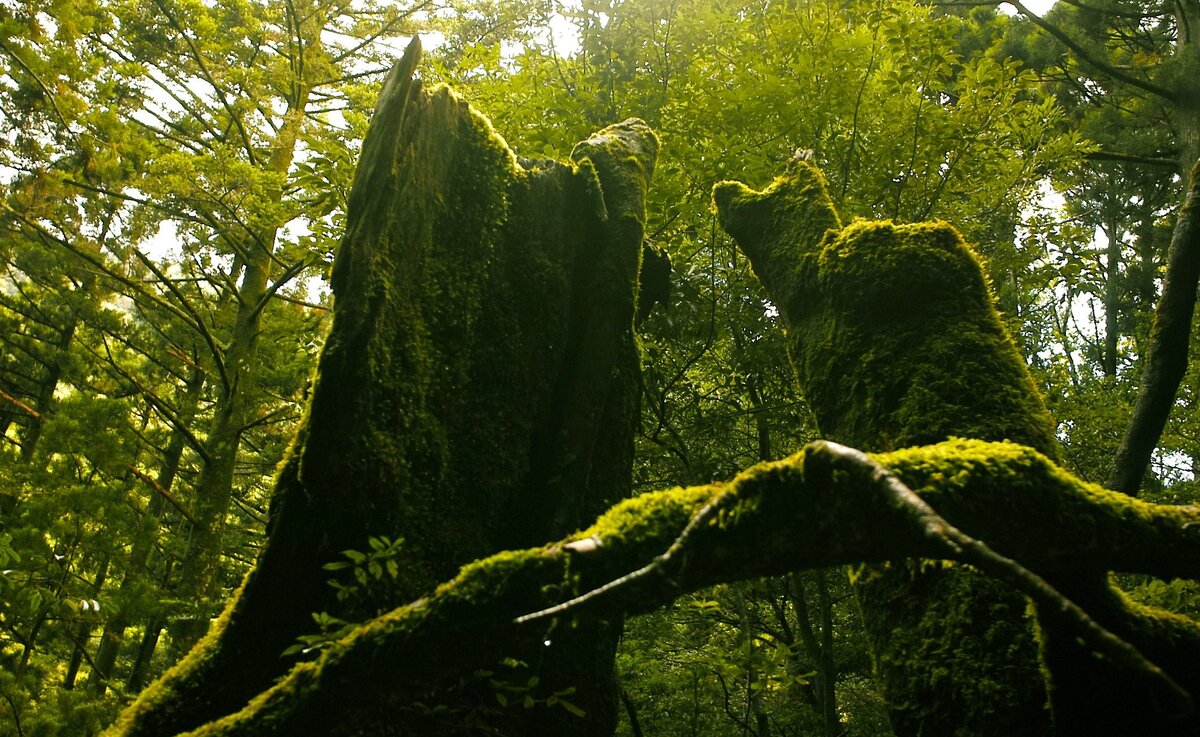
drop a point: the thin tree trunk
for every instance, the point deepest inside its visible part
(819, 648)
(30, 640)
(830, 719)
(635, 727)
(139, 672)
(44, 402)
(135, 571)
(1170, 337)
(84, 632)
(1167, 360)
(213, 492)
(1112, 270)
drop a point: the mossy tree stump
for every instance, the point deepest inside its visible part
(895, 341)
(477, 392)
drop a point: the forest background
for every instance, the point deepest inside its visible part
(173, 178)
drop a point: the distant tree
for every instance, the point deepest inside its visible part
(1129, 69)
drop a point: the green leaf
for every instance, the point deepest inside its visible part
(572, 708)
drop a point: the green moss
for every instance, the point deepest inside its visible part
(771, 518)
(624, 155)
(157, 702)
(637, 528)
(892, 330)
(477, 390)
(896, 342)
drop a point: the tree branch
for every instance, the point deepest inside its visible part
(1131, 159)
(825, 506)
(25, 408)
(158, 489)
(196, 319)
(1089, 59)
(961, 547)
(234, 117)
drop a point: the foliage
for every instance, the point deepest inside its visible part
(370, 571)
(158, 328)
(138, 189)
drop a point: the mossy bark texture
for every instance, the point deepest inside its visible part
(802, 512)
(896, 342)
(477, 392)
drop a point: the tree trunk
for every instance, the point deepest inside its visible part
(896, 342)
(113, 635)
(1171, 334)
(820, 649)
(44, 402)
(1112, 295)
(139, 672)
(83, 632)
(477, 391)
(822, 507)
(213, 492)
(1170, 338)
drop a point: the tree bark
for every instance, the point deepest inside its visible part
(113, 635)
(896, 342)
(477, 391)
(807, 511)
(1170, 339)
(213, 493)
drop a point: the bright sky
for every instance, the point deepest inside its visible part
(1038, 6)
(566, 42)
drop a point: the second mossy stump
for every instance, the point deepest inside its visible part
(896, 342)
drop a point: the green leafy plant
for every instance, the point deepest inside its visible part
(369, 570)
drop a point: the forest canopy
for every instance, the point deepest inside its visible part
(180, 195)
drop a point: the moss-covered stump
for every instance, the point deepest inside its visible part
(896, 342)
(891, 328)
(807, 511)
(477, 392)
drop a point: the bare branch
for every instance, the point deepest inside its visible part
(25, 408)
